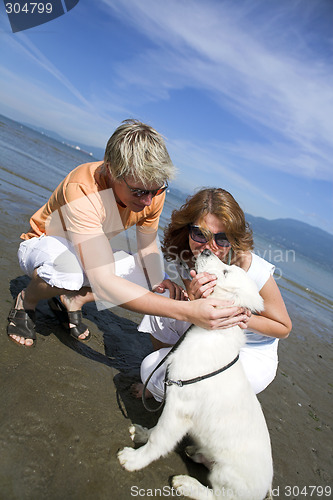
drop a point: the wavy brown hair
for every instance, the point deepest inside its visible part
(215, 201)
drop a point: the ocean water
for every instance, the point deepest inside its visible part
(33, 164)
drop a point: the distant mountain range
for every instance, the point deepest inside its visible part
(309, 241)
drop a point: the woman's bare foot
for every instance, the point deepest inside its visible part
(137, 390)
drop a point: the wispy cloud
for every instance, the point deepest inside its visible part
(208, 164)
(260, 72)
(42, 107)
(258, 67)
(23, 45)
(39, 92)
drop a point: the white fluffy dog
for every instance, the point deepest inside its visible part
(221, 413)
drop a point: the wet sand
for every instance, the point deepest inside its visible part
(66, 407)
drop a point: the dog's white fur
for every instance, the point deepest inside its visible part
(221, 413)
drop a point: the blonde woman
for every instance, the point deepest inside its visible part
(68, 254)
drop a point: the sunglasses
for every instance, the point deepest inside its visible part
(144, 192)
(198, 236)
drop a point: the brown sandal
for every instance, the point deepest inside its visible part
(66, 317)
(21, 323)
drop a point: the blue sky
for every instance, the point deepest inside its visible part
(242, 90)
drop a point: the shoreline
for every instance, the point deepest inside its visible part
(66, 406)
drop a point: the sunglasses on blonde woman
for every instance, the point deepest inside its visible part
(198, 236)
(144, 192)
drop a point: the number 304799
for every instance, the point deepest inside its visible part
(29, 8)
(307, 491)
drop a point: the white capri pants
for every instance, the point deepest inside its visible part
(260, 361)
(57, 264)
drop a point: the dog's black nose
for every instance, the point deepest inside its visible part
(206, 252)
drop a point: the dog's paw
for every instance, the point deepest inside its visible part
(127, 459)
(139, 434)
(182, 484)
(190, 487)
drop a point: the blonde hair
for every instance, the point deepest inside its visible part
(137, 150)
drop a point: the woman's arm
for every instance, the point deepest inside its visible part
(202, 285)
(98, 262)
(274, 321)
(153, 266)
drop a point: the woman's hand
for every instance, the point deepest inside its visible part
(245, 319)
(202, 285)
(213, 313)
(176, 292)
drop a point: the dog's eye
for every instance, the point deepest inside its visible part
(225, 272)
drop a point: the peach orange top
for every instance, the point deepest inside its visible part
(84, 203)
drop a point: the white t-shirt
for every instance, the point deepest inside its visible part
(260, 271)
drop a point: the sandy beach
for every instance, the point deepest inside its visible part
(66, 407)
